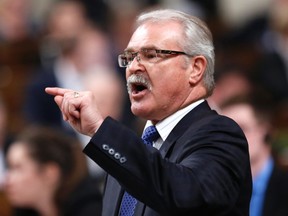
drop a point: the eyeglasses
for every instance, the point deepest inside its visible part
(145, 55)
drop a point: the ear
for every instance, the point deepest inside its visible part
(198, 66)
(52, 173)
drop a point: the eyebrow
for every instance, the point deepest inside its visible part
(145, 47)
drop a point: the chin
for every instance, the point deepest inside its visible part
(17, 202)
(139, 112)
(144, 114)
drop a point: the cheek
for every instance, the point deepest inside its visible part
(254, 137)
(255, 141)
(171, 87)
(23, 188)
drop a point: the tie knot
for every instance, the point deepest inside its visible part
(150, 134)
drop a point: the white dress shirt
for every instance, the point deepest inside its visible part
(165, 126)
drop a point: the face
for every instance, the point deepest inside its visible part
(24, 178)
(168, 78)
(254, 131)
(108, 91)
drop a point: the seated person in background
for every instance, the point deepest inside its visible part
(47, 176)
(231, 81)
(270, 188)
(3, 140)
(5, 207)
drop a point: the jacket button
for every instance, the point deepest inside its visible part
(111, 151)
(117, 156)
(105, 147)
(123, 160)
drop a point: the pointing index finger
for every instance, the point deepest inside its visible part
(56, 91)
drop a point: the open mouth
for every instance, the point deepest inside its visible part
(137, 84)
(138, 87)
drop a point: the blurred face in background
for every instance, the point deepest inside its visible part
(66, 20)
(254, 130)
(14, 19)
(27, 183)
(108, 89)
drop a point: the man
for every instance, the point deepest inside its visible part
(270, 189)
(200, 163)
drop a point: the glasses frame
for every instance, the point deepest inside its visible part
(135, 55)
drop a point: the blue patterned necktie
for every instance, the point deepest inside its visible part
(129, 202)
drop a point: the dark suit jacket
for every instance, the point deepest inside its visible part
(202, 167)
(276, 196)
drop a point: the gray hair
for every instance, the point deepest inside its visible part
(197, 40)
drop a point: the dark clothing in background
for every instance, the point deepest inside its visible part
(85, 200)
(276, 202)
(272, 75)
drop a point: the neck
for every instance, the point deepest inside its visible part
(47, 209)
(257, 164)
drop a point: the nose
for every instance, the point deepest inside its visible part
(137, 57)
(135, 66)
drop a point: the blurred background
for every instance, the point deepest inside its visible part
(75, 44)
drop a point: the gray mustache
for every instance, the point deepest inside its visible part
(137, 79)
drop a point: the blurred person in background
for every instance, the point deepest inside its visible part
(75, 48)
(272, 68)
(270, 188)
(76, 69)
(68, 70)
(84, 55)
(15, 23)
(109, 90)
(5, 208)
(3, 137)
(230, 81)
(47, 175)
(19, 56)
(65, 21)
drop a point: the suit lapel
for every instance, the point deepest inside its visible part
(192, 117)
(114, 194)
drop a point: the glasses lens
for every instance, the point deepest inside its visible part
(146, 55)
(149, 55)
(122, 60)
(126, 58)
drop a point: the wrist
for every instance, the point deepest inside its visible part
(95, 129)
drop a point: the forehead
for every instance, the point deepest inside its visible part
(240, 113)
(18, 153)
(159, 35)
(18, 149)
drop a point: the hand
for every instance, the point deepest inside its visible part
(78, 108)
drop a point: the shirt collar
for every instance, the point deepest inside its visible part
(165, 126)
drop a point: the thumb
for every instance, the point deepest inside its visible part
(58, 99)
